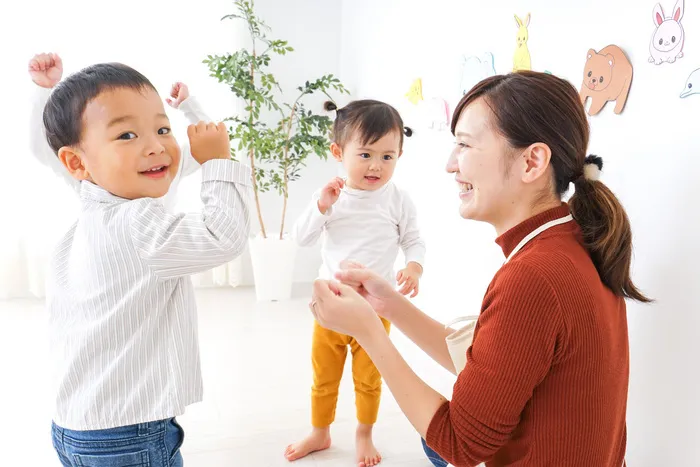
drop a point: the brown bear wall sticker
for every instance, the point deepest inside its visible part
(607, 76)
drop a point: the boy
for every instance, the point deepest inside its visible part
(122, 311)
(46, 71)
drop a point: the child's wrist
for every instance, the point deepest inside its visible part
(415, 267)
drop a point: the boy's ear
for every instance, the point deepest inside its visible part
(337, 152)
(72, 160)
(401, 153)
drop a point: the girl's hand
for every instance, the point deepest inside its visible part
(330, 194)
(408, 279)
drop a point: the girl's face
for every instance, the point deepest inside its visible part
(497, 184)
(369, 166)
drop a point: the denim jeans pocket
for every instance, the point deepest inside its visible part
(131, 459)
(177, 434)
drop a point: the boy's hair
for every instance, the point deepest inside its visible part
(370, 119)
(63, 114)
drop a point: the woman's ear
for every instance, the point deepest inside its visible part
(72, 160)
(537, 158)
(337, 152)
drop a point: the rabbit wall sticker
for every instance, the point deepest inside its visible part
(669, 37)
(521, 58)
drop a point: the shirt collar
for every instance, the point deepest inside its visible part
(509, 240)
(91, 192)
(366, 193)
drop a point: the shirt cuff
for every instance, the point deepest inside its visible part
(189, 105)
(420, 260)
(225, 170)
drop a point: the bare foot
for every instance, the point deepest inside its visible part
(367, 454)
(318, 440)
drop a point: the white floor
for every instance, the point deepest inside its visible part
(257, 378)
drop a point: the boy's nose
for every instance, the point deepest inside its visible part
(155, 147)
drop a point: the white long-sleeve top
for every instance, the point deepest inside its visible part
(44, 154)
(368, 227)
(122, 311)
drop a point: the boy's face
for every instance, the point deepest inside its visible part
(127, 147)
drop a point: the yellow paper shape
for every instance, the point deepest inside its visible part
(415, 93)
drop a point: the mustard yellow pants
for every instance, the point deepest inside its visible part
(329, 350)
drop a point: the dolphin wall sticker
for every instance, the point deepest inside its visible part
(692, 85)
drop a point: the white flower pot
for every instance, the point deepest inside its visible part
(273, 267)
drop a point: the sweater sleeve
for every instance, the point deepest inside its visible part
(194, 114)
(512, 351)
(412, 244)
(309, 226)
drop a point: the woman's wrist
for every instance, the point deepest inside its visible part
(396, 308)
(374, 337)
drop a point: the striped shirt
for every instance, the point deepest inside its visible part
(121, 304)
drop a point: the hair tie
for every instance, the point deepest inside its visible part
(329, 106)
(407, 131)
(592, 167)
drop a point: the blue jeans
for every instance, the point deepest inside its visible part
(433, 456)
(152, 444)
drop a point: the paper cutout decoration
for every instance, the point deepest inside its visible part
(438, 111)
(692, 85)
(475, 69)
(607, 76)
(415, 93)
(521, 58)
(668, 38)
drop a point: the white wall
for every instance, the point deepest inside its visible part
(165, 40)
(650, 152)
(378, 47)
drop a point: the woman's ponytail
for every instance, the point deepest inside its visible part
(606, 230)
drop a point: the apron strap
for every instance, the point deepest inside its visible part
(461, 319)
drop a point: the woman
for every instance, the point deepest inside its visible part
(547, 373)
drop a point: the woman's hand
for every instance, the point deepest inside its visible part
(340, 308)
(373, 288)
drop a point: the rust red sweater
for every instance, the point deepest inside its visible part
(546, 379)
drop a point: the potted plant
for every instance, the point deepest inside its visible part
(276, 142)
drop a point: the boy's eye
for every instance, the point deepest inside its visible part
(365, 155)
(164, 131)
(127, 136)
(388, 157)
